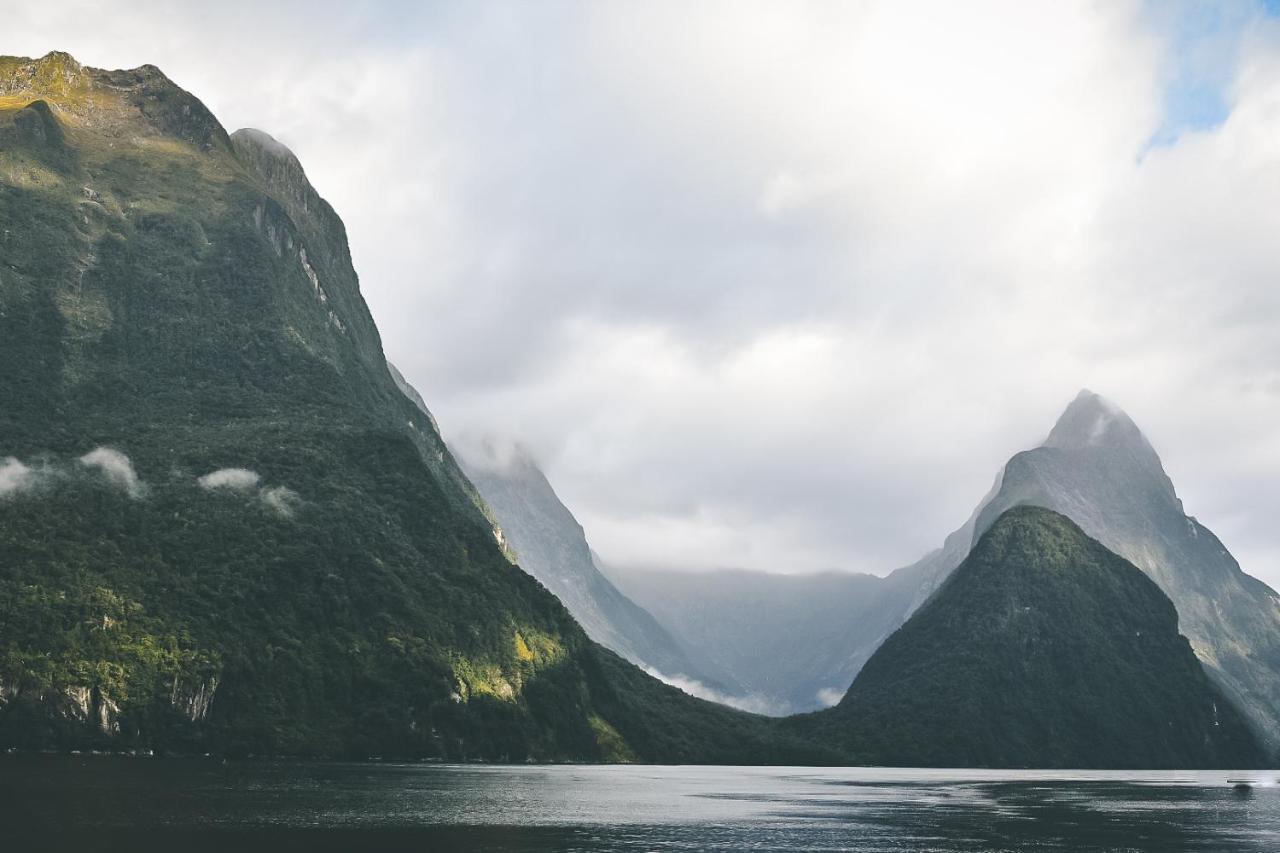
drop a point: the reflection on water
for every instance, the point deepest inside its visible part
(50, 802)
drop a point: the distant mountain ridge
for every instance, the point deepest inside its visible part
(776, 640)
(704, 632)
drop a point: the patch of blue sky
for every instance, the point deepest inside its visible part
(1203, 41)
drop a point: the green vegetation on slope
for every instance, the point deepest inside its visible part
(550, 545)
(223, 527)
(1043, 649)
(185, 299)
(1099, 469)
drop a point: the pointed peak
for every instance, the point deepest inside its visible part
(60, 59)
(113, 102)
(1092, 420)
(56, 74)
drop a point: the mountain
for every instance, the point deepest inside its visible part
(549, 543)
(1042, 649)
(223, 527)
(1098, 469)
(777, 642)
(703, 631)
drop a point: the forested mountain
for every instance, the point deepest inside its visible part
(1042, 649)
(222, 525)
(1098, 469)
(794, 639)
(225, 526)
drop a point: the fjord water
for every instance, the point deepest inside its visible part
(138, 804)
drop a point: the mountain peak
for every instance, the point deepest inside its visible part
(1092, 420)
(1037, 608)
(60, 57)
(59, 63)
(56, 74)
(109, 103)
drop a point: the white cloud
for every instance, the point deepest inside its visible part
(116, 467)
(491, 453)
(779, 285)
(752, 702)
(281, 500)
(15, 477)
(829, 696)
(236, 479)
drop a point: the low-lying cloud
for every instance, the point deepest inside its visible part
(15, 477)
(116, 468)
(236, 479)
(107, 463)
(751, 702)
(487, 452)
(281, 500)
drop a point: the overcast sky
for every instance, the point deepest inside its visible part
(782, 285)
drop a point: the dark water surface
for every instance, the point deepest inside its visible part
(93, 803)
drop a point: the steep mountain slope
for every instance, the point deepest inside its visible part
(222, 525)
(1098, 469)
(778, 641)
(548, 543)
(1042, 649)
